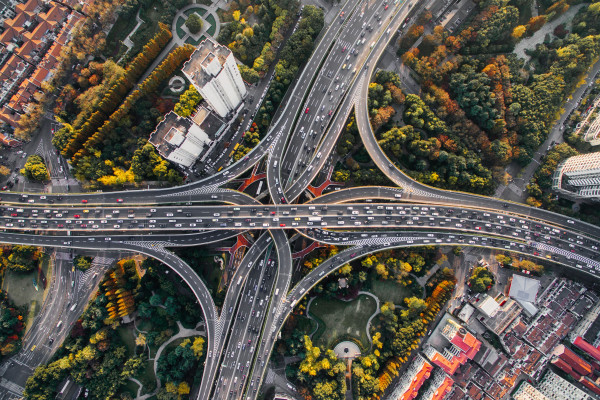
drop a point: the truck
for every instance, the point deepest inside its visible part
(314, 219)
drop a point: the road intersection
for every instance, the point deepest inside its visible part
(241, 336)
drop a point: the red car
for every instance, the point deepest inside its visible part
(76, 215)
(306, 111)
(386, 7)
(13, 215)
(119, 200)
(84, 201)
(344, 49)
(61, 226)
(282, 225)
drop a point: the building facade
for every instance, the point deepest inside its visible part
(557, 388)
(579, 177)
(528, 392)
(212, 69)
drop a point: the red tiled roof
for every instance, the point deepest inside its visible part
(17, 21)
(585, 381)
(29, 6)
(588, 348)
(577, 363)
(39, 75)
(39, 32)
(55, 50)
(421, 376)
(10, 118)
(467, 343)
(55, 14)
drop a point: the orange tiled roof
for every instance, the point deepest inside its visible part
(63, 37)
(421, 376)
(55, 14)
(17, 22)
(39, 31)
(39, 75)
(443, 389)
(9, 117)
(467, 343)
(29, 6)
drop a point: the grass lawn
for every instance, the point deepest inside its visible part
(179, 27)
(126, 335)
(195, 42)
(305, 324)
(147, 377)
(389, 291)
(342, 318)
(123, 26)
(22, 292)
(203, 263)
(132, 388)
(199, 10)
(213, 25)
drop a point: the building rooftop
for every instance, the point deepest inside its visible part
(205, 62)
(524, 288)
(587, 348)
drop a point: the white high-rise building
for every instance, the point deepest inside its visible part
(182, 140)
(212, 69)
(579, 177)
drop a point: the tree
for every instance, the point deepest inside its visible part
(82, 263)
(4, 171)
(519, 31)
(188, 101)
(35, 168)
(481, 279)
(194, 23)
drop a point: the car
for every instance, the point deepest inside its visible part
(42, 197)
(119, 200)
(386, 6)
(76, 216)
(282, 225)
(307, 110)
(84, 201)
(344, 49)
(4, 187)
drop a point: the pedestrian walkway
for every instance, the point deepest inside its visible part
(182, 35)
(127, 41)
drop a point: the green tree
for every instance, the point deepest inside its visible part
(194, 23)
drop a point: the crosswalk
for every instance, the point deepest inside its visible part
(195, 191)
(13, 391)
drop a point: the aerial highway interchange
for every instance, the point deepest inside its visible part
(297, 146)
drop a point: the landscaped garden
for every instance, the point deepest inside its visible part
(340, 319)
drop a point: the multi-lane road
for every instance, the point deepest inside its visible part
(334, 81)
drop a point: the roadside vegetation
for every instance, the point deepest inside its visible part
(292, 57)
(12, 326)
(481, 108)
(395, 331)
(101, 352)
(35, 169)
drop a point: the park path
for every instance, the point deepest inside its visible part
(182, 333)
(538, 37)
(127, 41)
(377, 311)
